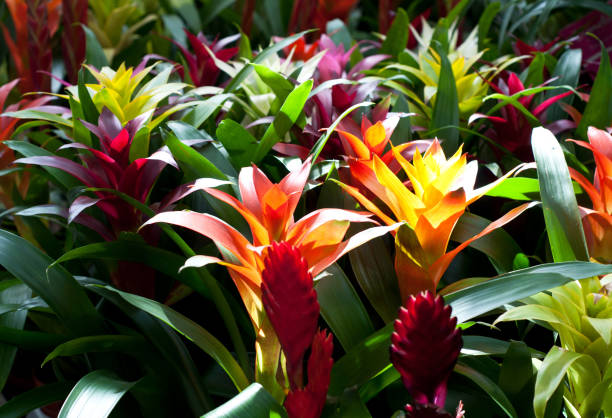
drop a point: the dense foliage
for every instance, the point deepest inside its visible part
(306, 208)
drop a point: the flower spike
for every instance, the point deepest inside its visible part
(425, 347)
(291, 304)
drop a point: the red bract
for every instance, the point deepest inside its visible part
(110, 168)
(301, 50)
(425, 347)
(202, 68)
(74, 14)
(291, 304)
(327, 10)
(309, 401)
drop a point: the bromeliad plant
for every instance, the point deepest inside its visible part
(269, 210)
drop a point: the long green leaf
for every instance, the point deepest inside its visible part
(15, 294)
(284, 120)
(445, 117)
(598, 111)
(162, 260)
(563, 223)
(55, 286)
(99, 344)
(567, 72)
(397, 36)
(95, 395)
(371, 356)
(185, 326)
(252, 402)
(240, 145)
(342, 309)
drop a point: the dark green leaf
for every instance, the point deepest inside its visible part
(445, 117)
(56, 286)
(94, 54)
(26, 402)
(16, 294)
(342, 309)
(99, 344)
(598, 111)
(397, 36)
(567, 73)
(239, 143)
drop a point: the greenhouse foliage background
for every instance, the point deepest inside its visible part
(305, 208)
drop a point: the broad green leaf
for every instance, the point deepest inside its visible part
(90, 112)
(205, 110)
(95, 395)
(238, 142)
(189, 12)
(598, 111)
(132, 345)
(342, 309)
(445, 117)
(30, 340)
(24, 403)
(563, 223)
(252, 402)
(190, 330)
(397, 36)
(55, 286)
(284, 120)
(489, 387)
(17, 293)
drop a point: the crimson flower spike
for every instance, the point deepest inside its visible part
(290, 302)
(424, 349)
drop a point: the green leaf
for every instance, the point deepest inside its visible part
(24, 403)
(30, 340)
(17, 293)
(39, 115)
(555, 366)
(205, 110)
(239, 143)
(95, 395)
(279, 84)
(371, 356)
(483, 297)
(375, 273)
(445, 117)
(94, 54)
(89, 109)
(284, 120)
(342, 309)
(192, 331)
(489, 387)
(567, 72)
(517, 369)
(563, 223)
(484, 23)
(252, 402)
(132, 345)
(162, 260)
(261, 59)
(191, 161)
(55, 286)
(598, 111)
(397, 36)
(498, 245)
(189, 12)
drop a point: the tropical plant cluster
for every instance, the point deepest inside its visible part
(276, 208)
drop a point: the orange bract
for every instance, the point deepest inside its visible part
(440, 190)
